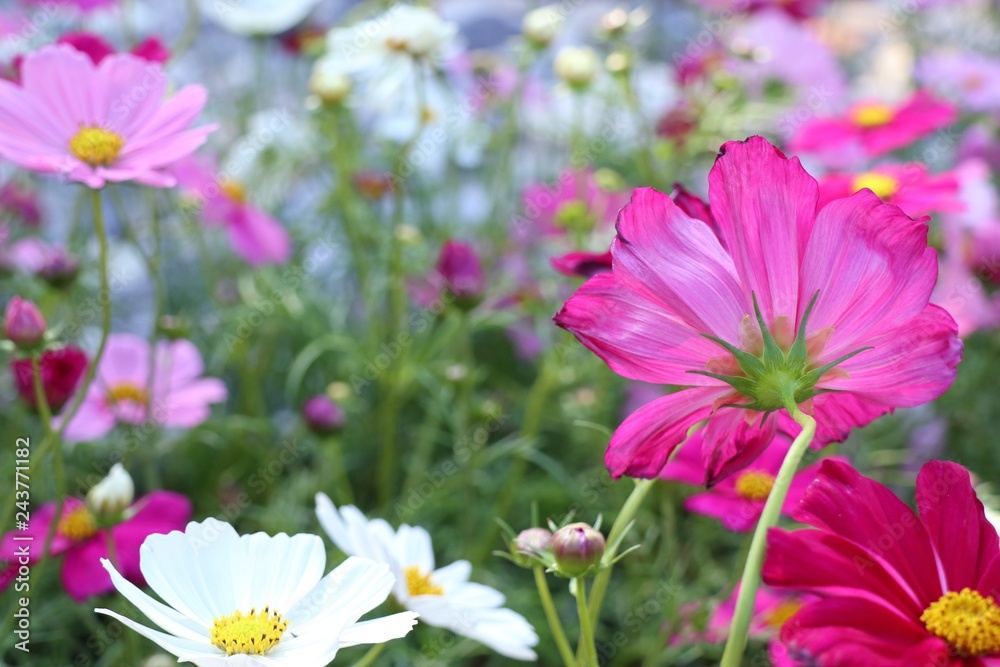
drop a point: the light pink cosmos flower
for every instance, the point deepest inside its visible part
(872, 129)
(842, 293)
(82, 542)
(180, 397)
(970, 79)
(97, 123)
(738, 500)
(909, 186)
(253, 234)
(576, 201)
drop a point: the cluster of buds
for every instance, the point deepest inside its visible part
(572, 550)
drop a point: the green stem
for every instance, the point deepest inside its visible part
(342, 482)
(41, 401)
(750, 582)
(369, 658)
(587, 648)
(558, 634)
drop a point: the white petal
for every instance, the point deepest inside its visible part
(452, 575)
(354, 588)
(280, 570)
(186, 649)
(378, 630)
(506, 632)
(157, 612)
(414, 547)
(471, 594)
(348, 529)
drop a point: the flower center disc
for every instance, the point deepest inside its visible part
(754, 485)
(127, 391)
(96, 146)
(255, 633)
(782, 613)
(235, 191)
(78, 524)
(872, 115)
(418, 583)
(966, 620)
(881, 184)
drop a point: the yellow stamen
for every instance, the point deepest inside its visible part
(872, 115)
(419, 583)
(883, 185)
(127, 391)
(77, 524)
(781, 613)
(397, 44)
(235, 191)
(96, 146)
(255, 633)
(754, 485)
(966, 620)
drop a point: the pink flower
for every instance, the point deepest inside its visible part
(23, 323)
(738, 500)
(458, 266)
(800, 9)
(180, 397)
(842, 293)
(21, 203)
(82, 541)
(970, 79)
(61, 371)
(908, 186)
(253, 234)
(85, 6)
(97, 123)
(871, 129)
(575, 202)
(95, 46)
(897, 590)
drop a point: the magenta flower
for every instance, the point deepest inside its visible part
(461, 271)
(799, 9)
(253, 234)
(95, 46)
(896, 590)
(82, 541)
(738, 500)
(909, 186)
(23, 323)
(21, 203)
(826, 308)
(61, 372)
(872, 129)
(97, 123)
(575, 202)
(180, 397)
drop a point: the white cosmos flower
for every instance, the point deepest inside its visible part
(444, 597)
(257, 17)
(255, 600)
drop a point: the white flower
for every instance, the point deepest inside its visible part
(444, 596)
(257, 17)
(577, 66)
(255, 600)
(113, 494)
(541, 25)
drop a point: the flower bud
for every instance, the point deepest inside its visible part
(329, 82)
(61, 371)
(577, 548)
(322, 415)
(577, 66)
(23, 324)
(541, 25)
(59, 270)
(173, 327)
(530, 544)
(459, 266)
(113, 494)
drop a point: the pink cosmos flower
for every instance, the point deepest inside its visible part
(738, 500)
(576, 201)
(253, 234)
(897, 590)
(800, 9)
(180, 397)
(83, 542)
(97, 123)
(61, 371)
(871, 129)
(836, 300)
(909, 186)
(970, 79)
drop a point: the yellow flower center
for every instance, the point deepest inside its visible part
(235, 191)
(881, 184)
(398, 44)
(754, 485)
(872, 115)
(966, 620)
(96, 146)
(255, 633)
(127, 391)
(780, 614)
(419, 583)
(78, 524)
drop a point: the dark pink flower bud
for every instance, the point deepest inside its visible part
(95, 47)
(61, 371)
(458, 265)
(577, 548)
(58, 269)
(531, 542)
(322, 415)
(152, 49)
(23, 323)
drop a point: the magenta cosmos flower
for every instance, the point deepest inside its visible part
(826, 308)
(97, 123)
(576, 203)
(909, 186)
(897, 590)
(222, 201)
(180, 397)
(872, 129)
(738, 500)
(61, 371)
(83, 542)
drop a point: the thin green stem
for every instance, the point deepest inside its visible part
(587, 648)
(368, 659)
(555, 625)
(41, 401)
(750, 582)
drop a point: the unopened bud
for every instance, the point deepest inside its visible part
(577, 66)
(322, 415)
(577, 548)
(530, 544)
(541, 25)
(113, 494)
(329, 83)
(23, 324)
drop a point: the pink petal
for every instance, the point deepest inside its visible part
(736, 514)
(258, 238)
(731, 443)
(82, 574)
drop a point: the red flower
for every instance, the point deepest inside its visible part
(898, 590)
(61, 372)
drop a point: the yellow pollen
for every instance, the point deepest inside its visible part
(418, 583)
(780, 614)
(127, 391)
(966, 620)
(754, 485)
(235, 191)
(883, 185)
(77, 524)
(255, 633)
(397, 44)
(872, 115)
(96, 146)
